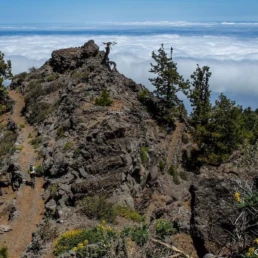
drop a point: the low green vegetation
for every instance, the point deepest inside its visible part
(162, 165)
(104, 99)
(172, 171)
(164, 228)
(22, 76)
(52, 77)
(102, 236)
(3, 252)
(3, 109)
(97, 207)
(60, 132)
(142, 95)
(36, 142)
(40, 111)
(81, 75)
(79, 240)
(100, 208)
(68, 146)
(128, 213)
(7, 143)
(138, 234)
(144, 155)
(32, 69)
(53, 188)
(18, 147)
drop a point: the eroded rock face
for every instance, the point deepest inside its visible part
(213, 211)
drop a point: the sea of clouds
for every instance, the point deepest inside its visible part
(233, 61)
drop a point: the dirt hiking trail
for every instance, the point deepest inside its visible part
(29, 203)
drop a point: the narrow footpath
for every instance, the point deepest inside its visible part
(29, 203)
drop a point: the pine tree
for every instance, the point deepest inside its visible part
(199, 96)
(168, 81)
(5, 73)
(223, 133)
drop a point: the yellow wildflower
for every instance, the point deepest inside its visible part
(251, 250)
(256, 240)
(86, 242)
(248, 254)
(237, 197)
(80, 245)
(109, 228)
(75, 249)
(103, 222)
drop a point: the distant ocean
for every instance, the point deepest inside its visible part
(228, 29)
(229, 48)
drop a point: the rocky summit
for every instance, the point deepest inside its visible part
(111, 164)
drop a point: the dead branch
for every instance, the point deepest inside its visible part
(170, 247)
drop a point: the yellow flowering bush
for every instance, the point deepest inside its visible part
(78, 240)
(128, 213)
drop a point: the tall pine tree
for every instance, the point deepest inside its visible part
(168, 81)
(199, 96)
(5, 73)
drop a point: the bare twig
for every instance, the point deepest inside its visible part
(170, 247)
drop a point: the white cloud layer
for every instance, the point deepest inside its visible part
(233, 61)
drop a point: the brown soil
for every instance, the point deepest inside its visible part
(29, 203)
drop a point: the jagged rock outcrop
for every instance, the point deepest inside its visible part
(72, 58)
(117, 151)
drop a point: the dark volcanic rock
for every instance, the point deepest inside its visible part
(213, 210)
(72, 58)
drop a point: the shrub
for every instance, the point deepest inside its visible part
(7, 142)
(22, 76)
(36, 142)
(174, 173)
(185, 138)
(68, 146)
(164, 228)
(78, 240)
(3, 109)
(128, 213)
(22, 125)
(142, 95)
(40, 112)
(60, 132)
(40, 169)
(81, 75)
(3, 252)
(144, 155)
(32, 69)
(184, 175)
(77, 151)
(53, 189)
(104, 99)
(35, 91)
(97, 207)
(52, 77)
(138, 234)
(18, 147)
(48, 232)
(162, 165)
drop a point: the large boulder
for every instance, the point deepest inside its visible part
(72, 58)
(213, 211)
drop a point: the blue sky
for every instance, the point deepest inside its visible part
(80, 11)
